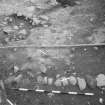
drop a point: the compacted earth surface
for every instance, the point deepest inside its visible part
(52, 45)
(20, 69)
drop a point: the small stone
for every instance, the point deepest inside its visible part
(19, 13)
(36, 21)
(2, 84)
(21, 25)
(104, 22)
(8, 19)
(71, 56)
(16, 27)
(7, 39)
(58, 75)
(58, 83)
(95, 48)
(50, 95)
(16, 68)
(39, 79)
(88, 103)
(43, 68)
(31, 8)
(91, 19)
(81, 83)
(0, 99)
(30, 74)
(85, 49)
(24, 32)
(18, 78)
(100, 80)
(33, 1)
(8, 29)
(101, 100)
(72, 80)
(3, 23)
(44, 17)
(45, 25)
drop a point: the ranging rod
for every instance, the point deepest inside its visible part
(54, 46)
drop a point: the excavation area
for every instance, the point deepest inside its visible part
(52, 52)
(74, 69)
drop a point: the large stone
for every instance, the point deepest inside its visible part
(100, 80)
(91, 81)
(58, 83)
(50, 81)
(81, 83)
(72, 80)
(64, 81)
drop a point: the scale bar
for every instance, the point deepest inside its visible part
(53, 91)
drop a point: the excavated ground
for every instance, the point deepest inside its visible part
(40, 23)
